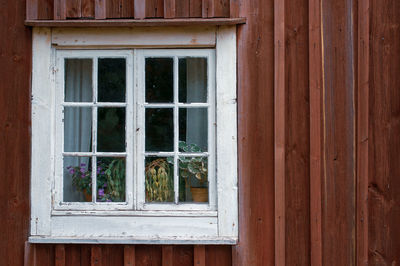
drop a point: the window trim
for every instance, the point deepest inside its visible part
(203, 227)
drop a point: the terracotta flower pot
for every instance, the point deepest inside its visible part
(88, 196)
(199, 194)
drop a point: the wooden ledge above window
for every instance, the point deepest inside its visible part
(135, 22)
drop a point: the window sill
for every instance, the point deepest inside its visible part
(135, 22)
(129, 240)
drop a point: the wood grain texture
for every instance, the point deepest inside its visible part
(140, 9)
(45, 9)
(74, 8)
(296, 110)
(15, 125)
(183, 255)
(363, 132)
(256, 134)
(384, 132)
(129, 255)
(195, 8)
(59, 255)
(60, 9)
(148, 255)
(182, 8)
(316, 130)
(100, 9)
(169, 8)
(96, 258)
(199, 255)
(167, 256)
(87, 9)
(154, 8)
(339, 188)
(280, 131)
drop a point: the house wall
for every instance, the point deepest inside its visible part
(319, 112)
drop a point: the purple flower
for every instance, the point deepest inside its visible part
(83, 164)
(98, 169)
(72, 171)
(83, 170)
(82, 176)
(105, 185)
(101, 192)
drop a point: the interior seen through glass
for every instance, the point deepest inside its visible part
(110, 133)
(189, 157)
(191, 126)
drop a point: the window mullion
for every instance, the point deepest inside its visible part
(94, 129)
(176, 130)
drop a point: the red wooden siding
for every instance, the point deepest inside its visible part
(138, 9)
(319, 112)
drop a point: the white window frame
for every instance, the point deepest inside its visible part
(51, 222)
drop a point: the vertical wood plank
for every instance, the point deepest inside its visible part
(383, 135)
(316, 130)
(297, 132)
(167, 256)
(29, 254)
(87, 9)
(169, 9)
(100, 9)
(74, 8)
(73, 255)
(148, 255)
(181, 8)
(96, 256)
(129, 255)
(205, 8)
(362, 132)
(218, 8)
(280, 132)
(59, 255)
(45, 9)
(139, 9)
(60, 9)
(127, 9)
(256, 134)
(199, 255)
(195, 8)
(32, 9)
(183, 255)
(218, 256)
(339, 185)
(113, 8)
(234, 6)
(154, 8)
(15, 128)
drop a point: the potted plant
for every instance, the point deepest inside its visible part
(159, 185)
(110, 180)
(194, 171)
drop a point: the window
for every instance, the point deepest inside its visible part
(134, 136)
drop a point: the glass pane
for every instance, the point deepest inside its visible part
(159, 129)
(193, 129)
(111, 79)
(193, 80)
(159, 172)
(111, 130)
(78, 80)
(193, 179)
(77, 129)
(77, 179)
(159, 80)
(110, 174)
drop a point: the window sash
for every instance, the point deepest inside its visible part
(135, 129)
(60, 56)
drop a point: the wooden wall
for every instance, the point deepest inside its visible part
(138, 9)
(319, 133)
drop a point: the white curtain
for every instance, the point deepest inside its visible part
(77, 121)
(196, 126)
